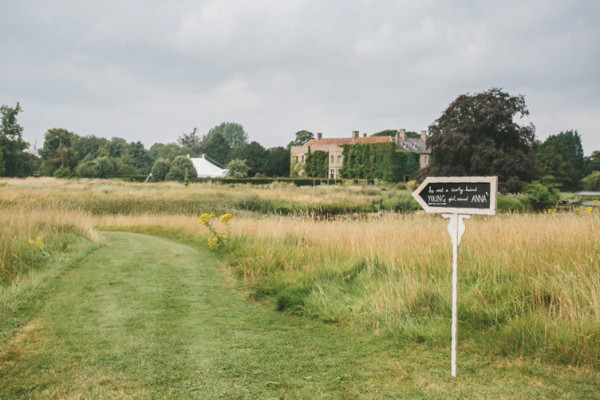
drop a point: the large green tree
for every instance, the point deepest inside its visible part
(192, 141)
(217, 149)
(477, 135)
(302, 137)
(592, 162)
(278, 162)
(234, 134)
(255, 156)
(167, 151)
(181, 167)
(237, 168)
(15, 162)
(561, 156)
(57, 151)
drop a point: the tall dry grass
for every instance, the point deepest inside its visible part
(111, 197)
(529, 284)
(29, 237)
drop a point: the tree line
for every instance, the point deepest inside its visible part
(476, 135)
(66, 154)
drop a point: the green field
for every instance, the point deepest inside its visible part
(292, 306)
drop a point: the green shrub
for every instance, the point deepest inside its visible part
(160, 169)
(62, 173)
(177, 172)
(541, 197)
(87, 169)
(511, 204)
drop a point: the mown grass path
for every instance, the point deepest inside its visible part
(148, 318)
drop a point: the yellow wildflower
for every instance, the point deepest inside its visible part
(36, 244)
(203, 220)
(225, 217)
(212, 242)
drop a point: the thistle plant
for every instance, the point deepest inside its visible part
(217, 240)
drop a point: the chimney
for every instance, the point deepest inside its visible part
(355, 135)
(319, 136)
(401, 134)
(423, 135)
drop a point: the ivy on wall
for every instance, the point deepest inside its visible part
(317, 164)
(378, 161)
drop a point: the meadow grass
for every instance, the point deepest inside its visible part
(29, 238)
(142, 317)
(528, 283)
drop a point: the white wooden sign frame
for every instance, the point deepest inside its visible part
(456, 228)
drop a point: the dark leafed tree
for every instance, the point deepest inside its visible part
(234, 134)
(15, 161)
(181, 167)
(477, 136)
(592, 162)
(217, 148)
(561, 156)
(191, 140)
(278, 162)
(255, 156)
(302, 137)
(57, 151)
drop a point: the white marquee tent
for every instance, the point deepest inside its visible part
(206, 169)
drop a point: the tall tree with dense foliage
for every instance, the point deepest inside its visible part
(234, 134)
(57, 152)
(561, 156)
(237, 168)
(217, 149)
(167, 151)
(592, 162)
(477, 135)
(181, 167)
(15, 162)
(193, 141)
(278, 162)
(302, 137)
(255, 156)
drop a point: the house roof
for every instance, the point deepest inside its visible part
(416, 145)
(343, 141)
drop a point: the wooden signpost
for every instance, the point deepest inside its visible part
(457, 199)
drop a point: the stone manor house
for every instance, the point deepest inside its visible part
(335, 148)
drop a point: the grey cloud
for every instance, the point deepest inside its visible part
(149, 70)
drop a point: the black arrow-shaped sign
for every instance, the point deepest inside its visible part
(461, 195)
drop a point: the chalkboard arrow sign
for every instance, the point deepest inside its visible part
(458, 195)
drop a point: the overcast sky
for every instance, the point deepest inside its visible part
(152, 70)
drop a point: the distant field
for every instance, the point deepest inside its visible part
(529, 283)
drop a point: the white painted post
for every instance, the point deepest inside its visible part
(458, 198)
(456, 228)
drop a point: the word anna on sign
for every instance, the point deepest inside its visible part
(458, 195)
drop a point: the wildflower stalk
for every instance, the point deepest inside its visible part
(217, 240)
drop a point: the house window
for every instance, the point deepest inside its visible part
(339, 160)
(302, 159)
(296, 159)
(331, 160)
